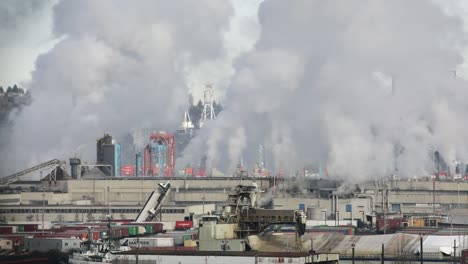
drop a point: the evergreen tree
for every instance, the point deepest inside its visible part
(195, 112)
(217, 107)
(1, 90)
(9, 89)
(15, 89)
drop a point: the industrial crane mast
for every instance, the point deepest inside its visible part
(153, 204)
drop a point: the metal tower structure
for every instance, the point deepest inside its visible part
(261, 156)
(208, 108)
(187, 123)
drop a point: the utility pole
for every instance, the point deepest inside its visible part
(43, 208)
(421, 252)
(108, 201)
(89, 237)
(433, 197)
(382, 261)
(203, 199)
(109, 235)
(454, 251)
(138, 246)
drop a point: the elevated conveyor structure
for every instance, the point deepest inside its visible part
(46, 168)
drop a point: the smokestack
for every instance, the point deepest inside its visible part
(138, 162)
(74, 162)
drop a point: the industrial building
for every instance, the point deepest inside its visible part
(108, 153)
(317, 197)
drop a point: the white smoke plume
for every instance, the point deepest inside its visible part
(120, 66)
(355, 83)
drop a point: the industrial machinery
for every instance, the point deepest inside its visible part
(159, 156)
(152, 207)
(243, 209)
(46, 168)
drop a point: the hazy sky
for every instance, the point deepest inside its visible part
(28, 34)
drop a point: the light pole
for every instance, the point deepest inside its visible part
(203, 199)
(363, 217)
(421, 257)
(352, 252)
(89, 237)
(43, 208)
(109, 227)
(108, 201)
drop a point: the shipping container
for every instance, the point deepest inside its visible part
(7, 229)
(168, 225)
(132, 231)
(125, 232)
(96, 236)
(390, 225)
(418, 222)
(148, 229)
(148, 242)
(190, 243)
(128, 170)
(178, 240)
(183, 225)
(30, 227)
(157, 227)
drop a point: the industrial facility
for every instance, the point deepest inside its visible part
(155, 208)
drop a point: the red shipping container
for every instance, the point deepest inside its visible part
(157, 227)
(390, 224)
(30, 227)
(6, 229)
(183, 225)
(125, 232)
(127, 170)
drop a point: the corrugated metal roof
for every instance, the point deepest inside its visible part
(369, 244)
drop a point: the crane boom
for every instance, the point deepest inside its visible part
(153, 204)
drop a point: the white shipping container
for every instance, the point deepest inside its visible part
(165, 241)
(168, 225)
(149, 242)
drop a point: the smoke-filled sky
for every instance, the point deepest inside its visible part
(350, 84)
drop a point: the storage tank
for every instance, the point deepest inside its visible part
(313, 213)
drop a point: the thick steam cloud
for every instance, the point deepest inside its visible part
(120, 66)
(365, 87)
